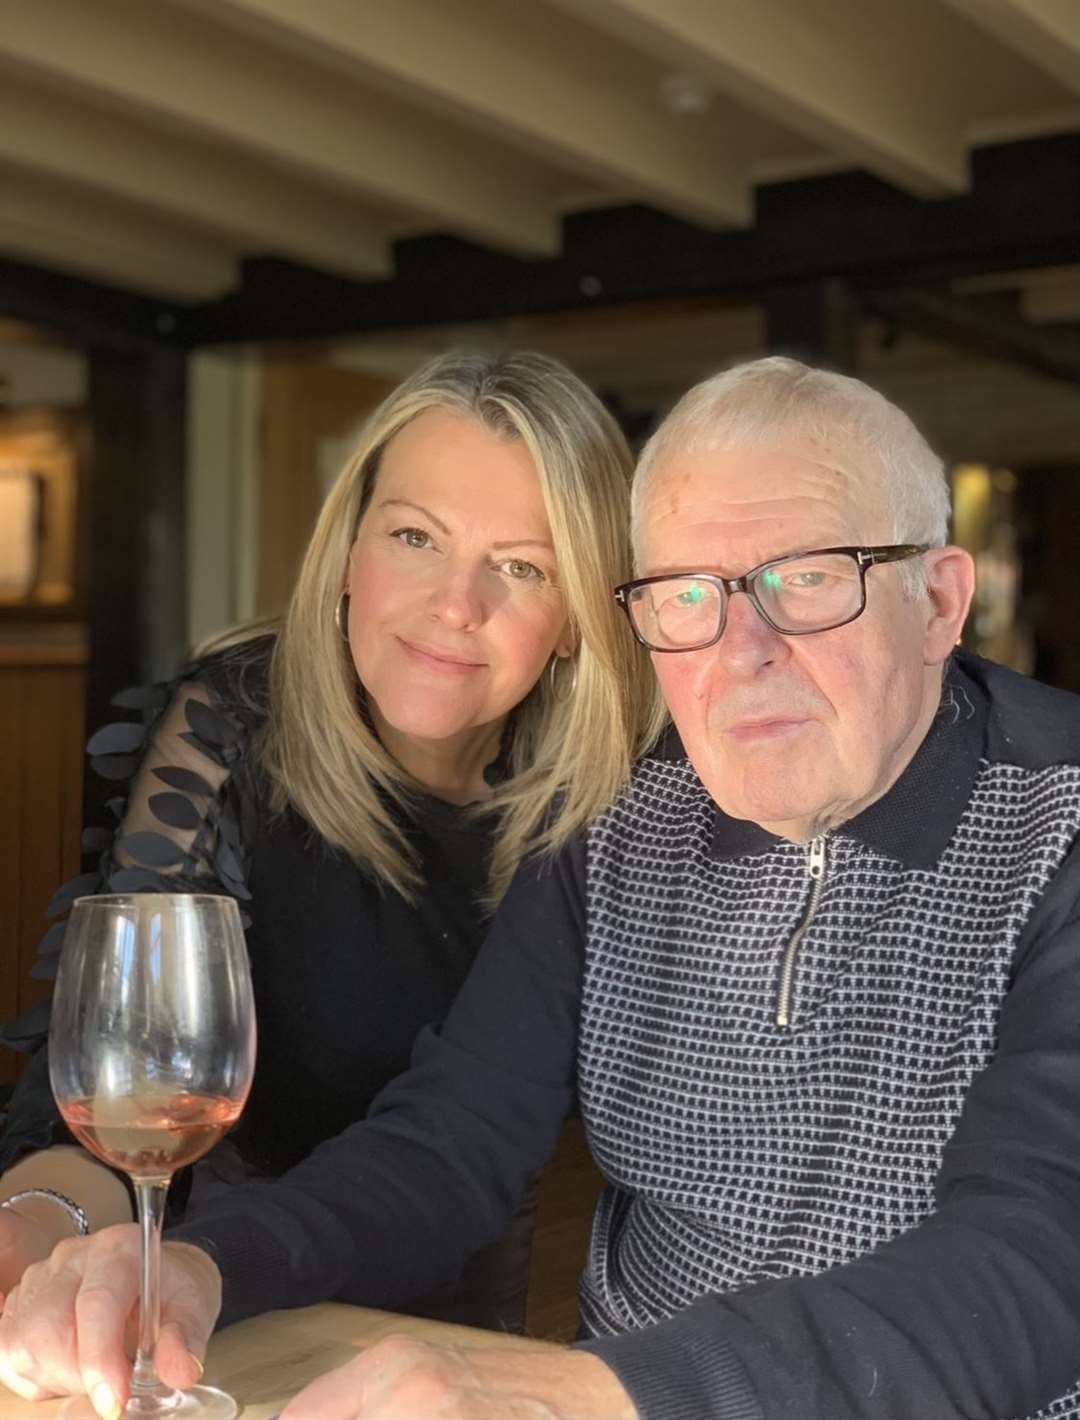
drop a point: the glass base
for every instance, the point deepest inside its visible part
(199, 1402)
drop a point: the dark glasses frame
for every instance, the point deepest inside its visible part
(863, 557)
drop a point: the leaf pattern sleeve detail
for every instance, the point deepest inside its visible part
(180, 815)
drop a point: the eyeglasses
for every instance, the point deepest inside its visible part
(795, 595)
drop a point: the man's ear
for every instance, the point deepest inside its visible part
(950, 577)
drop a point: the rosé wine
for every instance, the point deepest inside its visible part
(150, 1135)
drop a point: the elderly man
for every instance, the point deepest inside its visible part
(815, 980)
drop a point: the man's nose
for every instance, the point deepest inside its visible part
(456, 599)
(749, 643)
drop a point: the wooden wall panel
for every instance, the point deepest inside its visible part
(303, 404)
(11, 778)
(570, 1185)
(42, 732)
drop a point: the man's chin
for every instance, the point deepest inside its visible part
(776, 807)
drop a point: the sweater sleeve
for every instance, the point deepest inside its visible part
(976, 1312)
(393, 1206)
(178, 831)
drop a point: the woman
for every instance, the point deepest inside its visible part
(448, 690)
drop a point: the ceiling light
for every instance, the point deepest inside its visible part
(685, 93)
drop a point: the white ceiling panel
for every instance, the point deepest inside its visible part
(320, 131)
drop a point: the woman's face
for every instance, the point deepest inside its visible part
(454, 607)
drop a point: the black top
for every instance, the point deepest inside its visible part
(345, 975)
(954, 1288)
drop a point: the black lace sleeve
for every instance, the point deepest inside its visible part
(181, 828)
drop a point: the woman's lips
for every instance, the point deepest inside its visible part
(441, 662)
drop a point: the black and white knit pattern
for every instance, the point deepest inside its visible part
(739, 1152)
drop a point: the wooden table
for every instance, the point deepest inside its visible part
(265, 1361)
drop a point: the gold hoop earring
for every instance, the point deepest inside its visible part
(559, 692)
(341, 616)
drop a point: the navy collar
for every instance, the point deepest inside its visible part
(914, 822)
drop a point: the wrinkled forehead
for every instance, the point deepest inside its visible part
(805, 488)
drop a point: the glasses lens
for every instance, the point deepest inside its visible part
(810, 593)
(678, 613)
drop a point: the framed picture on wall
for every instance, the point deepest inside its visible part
(39, 470)
(20, 532)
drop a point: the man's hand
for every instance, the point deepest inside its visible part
(69, 1325)
(405, 1379)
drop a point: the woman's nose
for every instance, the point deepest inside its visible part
(456, 599)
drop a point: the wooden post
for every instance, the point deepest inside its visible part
(135, 520)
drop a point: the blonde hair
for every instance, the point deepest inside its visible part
(764, 401)
(569, 757)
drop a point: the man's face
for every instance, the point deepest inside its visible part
(797, 733)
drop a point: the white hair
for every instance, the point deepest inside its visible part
(766, 402)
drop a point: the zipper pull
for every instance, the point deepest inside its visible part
(815, 871)
(815, 857)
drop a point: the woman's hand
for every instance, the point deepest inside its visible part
(31, 1228)
(401, 1379)
(26, 1236)
(70, 1324)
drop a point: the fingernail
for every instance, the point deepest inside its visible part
(198, 1363)
(105, 1403)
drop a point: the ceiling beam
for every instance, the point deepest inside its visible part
(1023, 210)
(817, 66)
(244, 204)
(81, 312)
(78, 230)
(1049, 302)
(975, 326)
(264, 103)
(522, 74)
(1045, 32)
(1047, 294)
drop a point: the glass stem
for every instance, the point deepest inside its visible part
(150, 1197)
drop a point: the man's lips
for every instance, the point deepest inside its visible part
(769, 727)
(437, 658)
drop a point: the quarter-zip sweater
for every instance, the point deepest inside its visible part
(835, 1094)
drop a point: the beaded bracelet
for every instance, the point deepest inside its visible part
(70, 1207)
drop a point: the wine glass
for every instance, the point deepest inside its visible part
(151, 1056)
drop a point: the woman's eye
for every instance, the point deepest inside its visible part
(522, 571)
(413, 537)
(808, 580)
